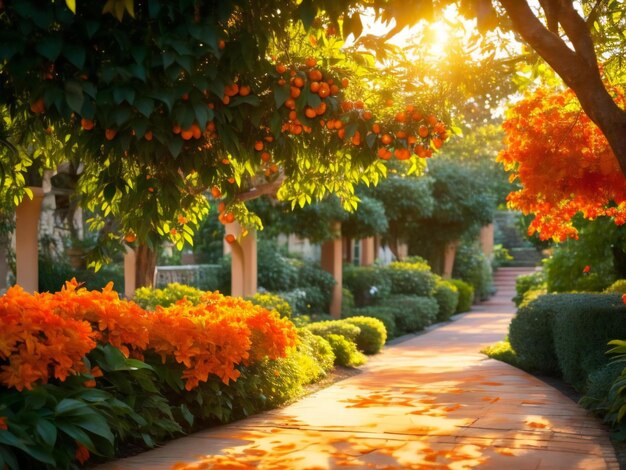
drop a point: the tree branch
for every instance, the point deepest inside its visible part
(577, 32)
(267, 189)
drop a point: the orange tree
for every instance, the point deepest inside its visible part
(160, 101)
(563, 162)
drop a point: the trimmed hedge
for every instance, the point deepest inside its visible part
(526, 283)
(373, 334)
(380, 312)
(412, 313)
(336, 327)
(368, 284)
(149, 298)
(272, 301)
(346, 353)
(530, 334)
(567, 333)
(583, 325)
(411, 279)
(466, 295)
(447, 296)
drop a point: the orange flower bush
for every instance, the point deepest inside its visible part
(563, 162)
(36, 343)
(48, 335)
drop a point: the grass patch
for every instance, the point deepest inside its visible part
(502, 351)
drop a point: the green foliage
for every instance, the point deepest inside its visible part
(598, 390)
(466, 295)
(380, 312)
(55, 272)
(272, 301)
(412, 313)
(618, 287)
(372, 336)
(411, 278)
(336, 327)
(501, 256)
(346, 353)
(318, 349)
(526, 283)
(599, 246)
(502, 351)
(275, 271)
(530, 334)
(472, 266)
(616, 401)
(583, 324)
(317, 285)
(368, 284)
(447, 296)
(347, 302)
(149, 298)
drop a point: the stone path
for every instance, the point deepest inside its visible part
(431, 401)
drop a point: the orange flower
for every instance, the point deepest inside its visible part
(82, 453)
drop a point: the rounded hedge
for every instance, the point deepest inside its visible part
(466, 295)
(336, 327)
(382, 313)
(447, 296)
(368, 284)
(373, 334)
(411, 279)
(412, 313)
(346, 353)
(272, 301)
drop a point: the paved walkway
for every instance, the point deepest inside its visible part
(432, 401)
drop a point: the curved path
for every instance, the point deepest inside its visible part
(430, 401)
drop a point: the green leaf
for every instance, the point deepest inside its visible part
(370, 139)
(121, 94)
(252, 100)
(203, 114)
(8, 459)
(47, 431)
(175, 145)
(75, 55)
(281, 94)
(74, 95)
(50, 47)
(306, 13)
(69, 406)
(78, 435)
(144, 105)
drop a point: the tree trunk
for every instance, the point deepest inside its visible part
(578, 67)
(145, 263)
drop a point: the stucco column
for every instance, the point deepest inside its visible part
(449, 253)
(368, 251)
(130, 273)
(331, 261)
(486, 240)
(243, 276)
(27, 240)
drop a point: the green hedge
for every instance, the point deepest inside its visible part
(336, 327)
(272, 301)
(583, 325)
(526, 283)
(382, 313)
(530, 334)
(373, 334)
(412, 313)
(368, 284)
(447, 296)
(149, 298)
(411, 279)
(466, 295)
(346, 353)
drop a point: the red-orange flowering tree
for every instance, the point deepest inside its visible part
(563, 162)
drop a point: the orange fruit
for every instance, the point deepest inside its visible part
(298, 81)
(266, 157)
(341, 133)
(314, 87)
(310, 62)
(244, 90)
(86, 124)
(230, 239)
(215, 192)
(195, 131)
(423, 131)
(231, 180)
(182, 219)
(315, 75)
(221, 44)
(310, 113)
(187, 134)
(321, 109)
(258, 145)
(226, 100)
(324, 90)
(130, 237)
(402, 154)
(185, 97)
(280, 68)
(231, 90)
(367, 115)
(290, 104)
(400, 117)
(295, 92)
(229, 217)
(401, 135)
(416, 116)
(210, 126)
(38, 106)
(110, 134)
(356, 138)
(293, 115)
(384, 153)
(376, 128)
(345, 82)
(346, 106)
(148, 135)
(297, 130)
(220, 207)
(281, 82)
(334, 89)
(386, 139)
(437, 142)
